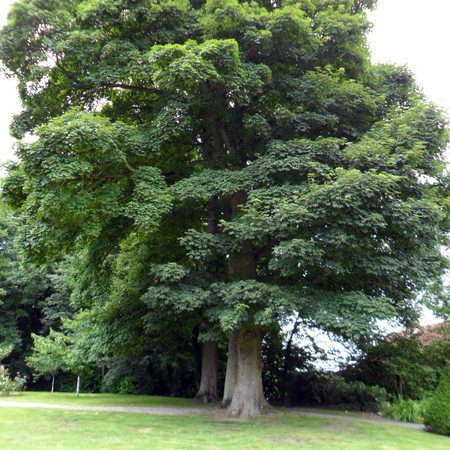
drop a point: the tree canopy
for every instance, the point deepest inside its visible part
(226, 162)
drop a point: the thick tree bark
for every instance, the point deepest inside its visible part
(248, 397)
(207, 392)
(232, 369)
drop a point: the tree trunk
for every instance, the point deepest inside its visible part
(78, 385)
(232, 369)
(287, 367)
(197, 350)
(248, 397)
(53, 383)
(207, 392)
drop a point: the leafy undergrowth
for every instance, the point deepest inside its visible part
(26, 428)
(438, 413)
(406, 410)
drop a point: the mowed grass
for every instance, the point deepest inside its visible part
(67, 398)
(29, 429)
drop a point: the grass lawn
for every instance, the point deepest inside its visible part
(29, 429)
(64, 398)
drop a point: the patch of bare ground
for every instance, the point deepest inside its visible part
(339, 425)
(289, 440)
(271, 416)
(357, 418)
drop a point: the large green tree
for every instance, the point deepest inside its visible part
(292, 174)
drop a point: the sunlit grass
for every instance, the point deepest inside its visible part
(64, 398)
(27, 428)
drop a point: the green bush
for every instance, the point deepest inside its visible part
(331, 389)
(406, 410)
(119, 385)
(126, 385)
(403, 365)
(437, 416)
(10, 385)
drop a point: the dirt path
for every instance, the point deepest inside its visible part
(156, 410)
(372, 419)
(185, 411)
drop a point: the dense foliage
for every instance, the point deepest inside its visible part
(31, 300)
(49, 354)
(329, 389)
(219, 166)
(438, 412)
(406, 410)
(9, 385)
(405, 364)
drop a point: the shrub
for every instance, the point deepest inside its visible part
(9, 385)
(408, 365)
(437, 416)
(126, 385)
(115, 385)
(330, 389)
(367, 397)
(406, 410)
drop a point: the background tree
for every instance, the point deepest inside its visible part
(21, 290)
(31, 300)
(438, 415)
(48, 357)
(76, 359)
(406, 364)
(5, 350)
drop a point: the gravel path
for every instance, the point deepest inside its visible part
(372, 419)
(184, 411)
(157, 410)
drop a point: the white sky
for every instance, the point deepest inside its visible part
(9, 101)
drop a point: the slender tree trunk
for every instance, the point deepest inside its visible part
(232, 369)
(287, 367)
(197, 348)
(53, 383)
(207, 392)
(78, 385)
(248, 397)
